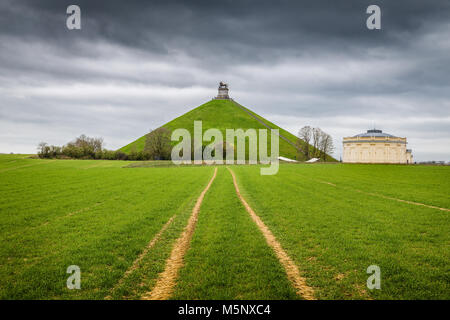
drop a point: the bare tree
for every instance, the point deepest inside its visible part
(321, 142)
(325, 145)
(304, 140)
(85, 142)
(97, 144)
(43, 150)
(316, 136)
(41, 147)
(157, 144)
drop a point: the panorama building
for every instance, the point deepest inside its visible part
(375, 146)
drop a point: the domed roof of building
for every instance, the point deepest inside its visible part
(374, 133)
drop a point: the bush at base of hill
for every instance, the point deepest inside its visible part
(85, 147)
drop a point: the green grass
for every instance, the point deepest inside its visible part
(101, 215)
(124, 209)
(425, 184)
(334, 234)
(229, 257)
(222, 114)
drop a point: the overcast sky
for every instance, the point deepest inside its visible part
(135, 65)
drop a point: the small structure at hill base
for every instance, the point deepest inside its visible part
(286, 159)
(312, 160)
(223, 91)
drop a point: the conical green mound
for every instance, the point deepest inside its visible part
(222, 115)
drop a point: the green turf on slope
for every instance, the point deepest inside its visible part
(286, 134)
(221, 114)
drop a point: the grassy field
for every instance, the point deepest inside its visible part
(89, 213)
(229, 258)
(335, 233)
(333, 220)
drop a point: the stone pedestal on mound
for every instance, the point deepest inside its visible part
(223, 91)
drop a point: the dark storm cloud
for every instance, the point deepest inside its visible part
(300, 62)
(246, 28)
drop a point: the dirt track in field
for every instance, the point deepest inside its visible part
(288, 264)
(167, 279)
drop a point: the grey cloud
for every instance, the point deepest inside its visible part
(137, 64)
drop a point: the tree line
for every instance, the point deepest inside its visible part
(311, 143)
(314, 143)
(157, 147)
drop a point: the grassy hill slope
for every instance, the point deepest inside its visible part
(222, 114)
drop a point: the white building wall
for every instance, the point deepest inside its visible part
(373, 151)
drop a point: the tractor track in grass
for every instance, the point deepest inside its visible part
(291, 269)
(390, 198)
(167, 279)
(79, 211)
(48, 222)
(26, 165)
(141, 256)
(401, 200)
(326, 182)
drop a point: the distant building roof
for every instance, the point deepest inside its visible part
(374, 133)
